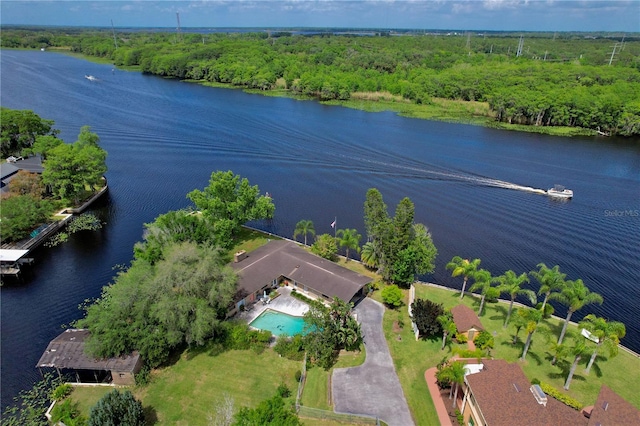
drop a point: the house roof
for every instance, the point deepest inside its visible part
(502, 392)
(612, 409)
(67, 351)
(285, 258)
(7, 169)
(465, 319)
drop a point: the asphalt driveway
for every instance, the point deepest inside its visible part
(372, 388)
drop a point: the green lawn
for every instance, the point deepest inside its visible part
(87, 396)
(186, 392)
(616, 372)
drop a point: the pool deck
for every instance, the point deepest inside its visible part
(284, 303)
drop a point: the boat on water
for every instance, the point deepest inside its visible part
(559, 191)
(90, 78)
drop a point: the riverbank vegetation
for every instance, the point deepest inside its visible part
(585, 82)
(71, 172)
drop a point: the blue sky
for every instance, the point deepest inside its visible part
(506, 15)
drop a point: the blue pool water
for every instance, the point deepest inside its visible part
(279, 323)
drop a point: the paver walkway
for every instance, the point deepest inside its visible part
(436, 395)
(372, 388)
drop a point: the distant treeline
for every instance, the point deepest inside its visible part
(560, 79)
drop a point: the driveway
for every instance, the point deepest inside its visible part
(372, 388)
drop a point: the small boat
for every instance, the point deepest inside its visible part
(90, 78)
(559, 191)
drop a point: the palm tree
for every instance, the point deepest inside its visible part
(531, 318)
(369, 255)
(608, 334)
(575, 295)
(464, 267)
(482, 281)
(304, 227)
(448, 327)
(551, 280)
(577, 350)
(349, 238)
(510, 283)
(454, 374)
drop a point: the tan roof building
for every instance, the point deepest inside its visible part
(500, 394)
(466, 320)
(612, 409)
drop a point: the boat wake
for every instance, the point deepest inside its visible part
(457, 177)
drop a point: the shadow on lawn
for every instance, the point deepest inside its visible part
(150, 415)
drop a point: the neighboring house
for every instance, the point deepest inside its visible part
(497, 393)
(281, 261)
(611, 409)
(500, 394)
(66, 354)
(13, 165)
(466, 320)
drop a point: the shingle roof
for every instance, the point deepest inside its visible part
(67, 351)
(465, 319)
(284, 258)
(612, 409)
(504, 398)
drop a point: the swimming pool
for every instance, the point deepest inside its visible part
(279, 323)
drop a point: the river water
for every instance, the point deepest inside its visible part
(165, 137)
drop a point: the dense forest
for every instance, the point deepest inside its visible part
(587, 81)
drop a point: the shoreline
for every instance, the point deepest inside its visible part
(443, 110)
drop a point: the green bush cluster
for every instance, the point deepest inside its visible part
(239, 336)
(461, 338)
(300, 296)
(484, 340)
(62, 391)
(283, 391)
(290, 347)
(68, 413)
(392, 296)
(565, 399)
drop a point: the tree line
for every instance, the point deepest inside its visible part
(71, 171)
(555, 81)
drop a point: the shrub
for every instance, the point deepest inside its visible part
(298, 375)
(535, 381)
(484, 340)
(461, 338)
(459, 417)
(425, 314)
(565, 399)
(283, 391)
(392, 296)
(290, 347)
(466, 353)
(117, 408)
(143, 377)
(68, 413)
(325, 246)
(62, 391)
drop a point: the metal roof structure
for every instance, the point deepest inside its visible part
(67, 352)
(280, 258)
(7, 255)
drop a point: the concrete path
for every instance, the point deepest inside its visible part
(372, 388)
(437, 396)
